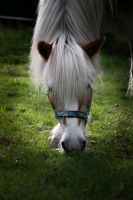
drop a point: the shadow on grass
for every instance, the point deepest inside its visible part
(45, 174)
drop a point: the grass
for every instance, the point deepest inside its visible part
(29, 168)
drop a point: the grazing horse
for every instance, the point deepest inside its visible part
(64, 60)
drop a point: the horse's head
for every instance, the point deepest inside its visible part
(69, 89)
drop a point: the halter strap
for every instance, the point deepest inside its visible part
(72, 114)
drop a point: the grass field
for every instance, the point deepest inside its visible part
(29, 168)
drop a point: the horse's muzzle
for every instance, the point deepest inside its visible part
(67, 149)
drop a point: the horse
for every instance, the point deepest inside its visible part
(64, 59)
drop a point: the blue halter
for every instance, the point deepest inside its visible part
(74, 114)
(71, 114)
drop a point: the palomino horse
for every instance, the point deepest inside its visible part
(64, 59)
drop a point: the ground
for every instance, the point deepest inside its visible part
(29, 168)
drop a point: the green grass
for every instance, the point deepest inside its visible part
(29, 168)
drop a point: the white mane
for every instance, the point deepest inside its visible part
(76, 22)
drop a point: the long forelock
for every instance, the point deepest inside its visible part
(69, 71)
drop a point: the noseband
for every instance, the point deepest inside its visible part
(72, 114)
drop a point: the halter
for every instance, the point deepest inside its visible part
(73, 114)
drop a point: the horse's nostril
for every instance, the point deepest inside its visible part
(83, 145)
(64, 146)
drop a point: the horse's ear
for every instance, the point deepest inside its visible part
(92, 48)
(44, 49)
